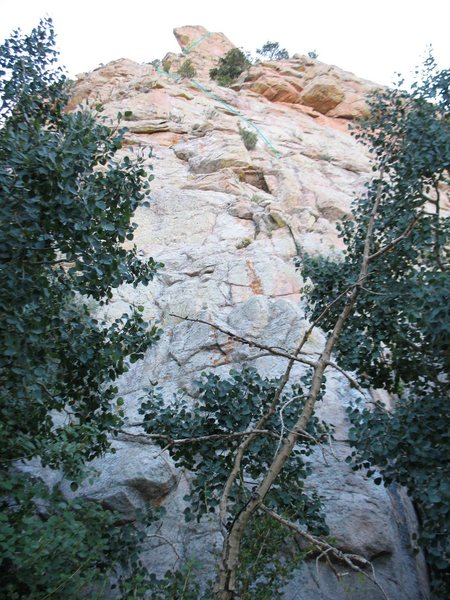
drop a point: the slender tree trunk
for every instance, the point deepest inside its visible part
(225, 588)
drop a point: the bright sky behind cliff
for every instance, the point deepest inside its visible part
(373, 39)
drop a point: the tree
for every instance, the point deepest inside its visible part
(382, 307)
(65, 207)
(404, 346)
(230, 67)
(272, 51)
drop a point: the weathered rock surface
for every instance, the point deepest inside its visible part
(227, 223)
(308, 82)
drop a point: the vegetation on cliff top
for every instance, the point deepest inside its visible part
(230, 67)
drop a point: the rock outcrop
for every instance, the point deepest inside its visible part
(227, 223)
(326, 89)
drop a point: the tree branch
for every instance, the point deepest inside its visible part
(397, 240)
(147, 438)
(272, 350)
(350, 560)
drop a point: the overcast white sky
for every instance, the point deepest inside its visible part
(374, 39)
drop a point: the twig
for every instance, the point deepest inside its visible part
(326, 548)
(146, 438)
(276, 350)
(318, 557)
(280, 412)
(171, 544)
(248, 342)
(398, 239)
(372, 292)
(64, 582)
(351, 379)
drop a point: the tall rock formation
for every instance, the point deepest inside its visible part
(227, 223)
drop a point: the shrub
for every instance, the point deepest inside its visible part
(243, 243)
(272, 51)
(230, 67)
(187, 69)
(248, 137)
(313, 54)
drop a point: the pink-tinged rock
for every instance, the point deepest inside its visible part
(277, 89)
(215, 44)
(105, 79)
(204, 54)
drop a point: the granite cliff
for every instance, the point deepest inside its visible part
(227, 223)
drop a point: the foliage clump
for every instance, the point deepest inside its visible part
(248, 137)
(225, 409)
(187, 69)
(66, 204)
(272, 51)
(230, 67)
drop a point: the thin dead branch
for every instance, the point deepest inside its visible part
(271, 349)
(150, 438)
(350, 560)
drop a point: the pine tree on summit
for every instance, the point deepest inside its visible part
(272, 51)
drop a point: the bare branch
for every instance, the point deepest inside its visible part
(351, 379)
(351, 560)
(326, 309)
(149, 438)
(168, 542)
(280, 412)
(271, 349)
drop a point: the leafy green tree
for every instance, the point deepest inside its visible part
(66, 203)
(398, 336)
(230, 67)
(272, 51)
(384, 312)
(212, 431)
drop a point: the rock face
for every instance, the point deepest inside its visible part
(227, 223)
(327, 89)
